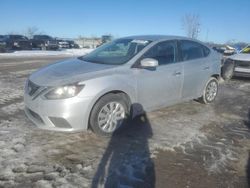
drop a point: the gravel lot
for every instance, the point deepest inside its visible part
(186, 145)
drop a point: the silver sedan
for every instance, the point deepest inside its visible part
(121, 80)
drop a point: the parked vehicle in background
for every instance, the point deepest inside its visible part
(237, 65)
(17, 42)
(122, 79)
(72, 44)
(62, 43)
(246, 50)
(229, 50)
(219, 49)
(2, 44)
(44, 42)
(225, 50)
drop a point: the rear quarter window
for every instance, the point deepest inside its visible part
(206, 51)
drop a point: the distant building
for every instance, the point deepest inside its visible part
(85, 42)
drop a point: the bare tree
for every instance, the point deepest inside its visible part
(191, 24)
(31, 31)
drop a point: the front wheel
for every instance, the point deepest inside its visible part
(109, 114)
(210, 92)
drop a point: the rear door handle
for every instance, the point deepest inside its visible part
(206, 68)
(177, 73)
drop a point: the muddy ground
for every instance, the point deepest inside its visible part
(186, 145)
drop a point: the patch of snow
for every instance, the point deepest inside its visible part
(9, 92)
(12, 108)
(23, 72)
(170, 133)
(31, 53)
(43, 184)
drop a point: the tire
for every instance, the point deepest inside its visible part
(210, 91)
(103, 124)
(227, 70)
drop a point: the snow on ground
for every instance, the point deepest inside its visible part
(31, 53)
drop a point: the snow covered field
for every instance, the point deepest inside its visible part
(33, 53)
(167, 148)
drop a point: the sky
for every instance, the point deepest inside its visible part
(221, 20)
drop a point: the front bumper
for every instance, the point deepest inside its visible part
(242, 72)
(68, 115)
(242, 68)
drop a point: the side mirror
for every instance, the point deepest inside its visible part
(149, 63)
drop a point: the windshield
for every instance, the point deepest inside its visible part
(246, 50)
(117, 52)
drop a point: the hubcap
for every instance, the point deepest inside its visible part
(111, 116)
(211, 91)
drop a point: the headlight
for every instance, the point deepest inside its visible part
(64, 92)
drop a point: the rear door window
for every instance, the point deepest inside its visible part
(192, 50)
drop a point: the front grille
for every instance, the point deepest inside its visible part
(32, 88)
(35, 116)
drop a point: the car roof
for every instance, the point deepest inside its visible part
(14, 35)
(156, 37)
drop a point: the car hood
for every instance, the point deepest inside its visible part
(69, 71)
(240, 57)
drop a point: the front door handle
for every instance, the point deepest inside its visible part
(177, 73)
(206, 68)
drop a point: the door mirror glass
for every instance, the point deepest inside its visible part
(149, 63)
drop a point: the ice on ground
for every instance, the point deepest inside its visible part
(30, 53)
(10, 91)
(23, 72)
(12, 108)
(170, 132)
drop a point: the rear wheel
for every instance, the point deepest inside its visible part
(210, 91)
(109, 114)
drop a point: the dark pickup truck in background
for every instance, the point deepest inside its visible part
(44, 42)
(16, 42)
